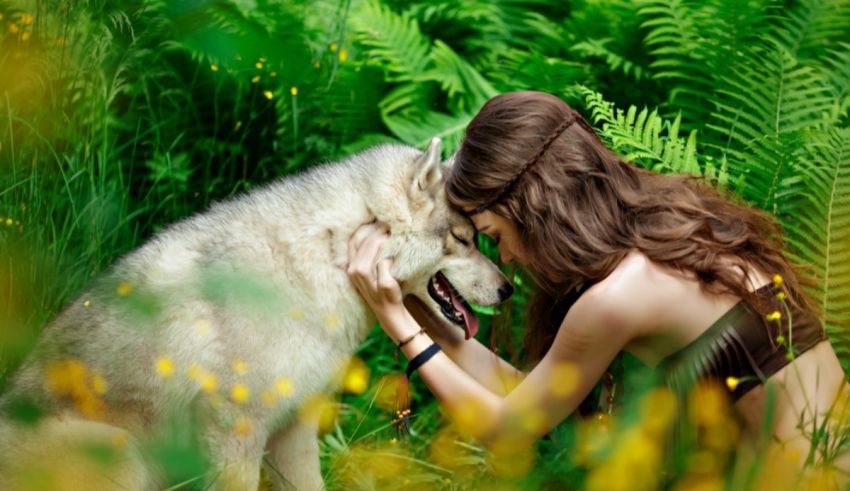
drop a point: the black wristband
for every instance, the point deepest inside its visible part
(421, 358)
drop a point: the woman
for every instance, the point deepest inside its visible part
(663, 267)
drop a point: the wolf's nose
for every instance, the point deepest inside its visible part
(505, 292)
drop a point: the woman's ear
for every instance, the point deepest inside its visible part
(429, 175)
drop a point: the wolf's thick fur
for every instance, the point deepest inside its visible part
(261, 279)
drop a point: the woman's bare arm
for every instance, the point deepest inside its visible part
(474, 358)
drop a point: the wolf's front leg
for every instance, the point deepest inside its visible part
(294, 458)
(235, 462)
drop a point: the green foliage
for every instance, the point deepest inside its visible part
(118, 118)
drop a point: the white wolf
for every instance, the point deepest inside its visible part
(239, 316)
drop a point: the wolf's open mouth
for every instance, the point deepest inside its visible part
(452, 304)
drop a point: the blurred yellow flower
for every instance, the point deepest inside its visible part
(72, 379)
(732, 382)
(343, 55)
(332, 47)
(284, 387)
(164, 366)
(124, 289)
(321, 408)
(781, 296)
(13, 28)
(25, 36)
(86, 303)
(242, 426)
(293, 90)
(214, 67)
(240, 393)
(268, 94)
(356, 379)
(258, 65)
(99, 384)
(777, 280)
(273, 74)
(10, 222)
(26, 19)
(565, 379)
(255, 79)
(773, 316)
(208, 382)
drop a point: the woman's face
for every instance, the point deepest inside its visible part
(504, 232)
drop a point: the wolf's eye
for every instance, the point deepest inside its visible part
(460, 239)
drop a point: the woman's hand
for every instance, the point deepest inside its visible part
(372, 278)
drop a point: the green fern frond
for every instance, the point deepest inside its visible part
(458, 78)
(815, 212)
(637, 136)
(767, 101)
(418, 127)
(393, 41)
(598, 48)
(812, 24)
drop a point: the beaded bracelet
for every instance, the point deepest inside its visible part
(410, 338)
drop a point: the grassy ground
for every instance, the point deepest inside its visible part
(118, 118)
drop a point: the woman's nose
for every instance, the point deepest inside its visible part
(505, 256)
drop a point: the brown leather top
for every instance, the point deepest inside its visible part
(743, 344)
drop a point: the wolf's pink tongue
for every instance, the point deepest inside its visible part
(470, 321)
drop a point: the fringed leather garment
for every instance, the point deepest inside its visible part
(742, 344)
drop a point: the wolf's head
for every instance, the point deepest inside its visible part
(436, 258)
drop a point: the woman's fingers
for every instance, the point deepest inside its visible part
(361, 266)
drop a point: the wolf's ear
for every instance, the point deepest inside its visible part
(448, 163)
(430, 172)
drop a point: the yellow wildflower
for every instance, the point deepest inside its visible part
(242, 426)
(124, 289)
(777, 280)
(284, 387)
(86, 303)
(268, 94)
(259, 65)
(273, 74)
(240, 393)
(99, 384)
(343, 55)
(26, 19)
(9, 222)
(208, 382)
(164, 366)
(773, 316)
(120, 440)
(25, 36)
(356, 377)
(14, 29)
(293, 90)
(214, 67)
(781, 296)
(732, 382)
(565, 378)
(255, 79)
(332, 47)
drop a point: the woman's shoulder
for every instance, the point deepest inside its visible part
(635, 295)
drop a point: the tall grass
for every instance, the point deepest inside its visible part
(118, 118)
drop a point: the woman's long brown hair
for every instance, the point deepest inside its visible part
(580, 209)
